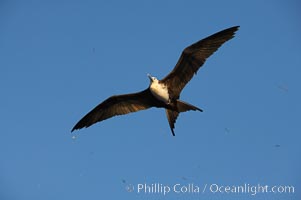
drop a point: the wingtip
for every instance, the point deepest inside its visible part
(74, 128)
(232, 29)
(236, 28)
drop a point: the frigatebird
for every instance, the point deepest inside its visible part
(164, 93)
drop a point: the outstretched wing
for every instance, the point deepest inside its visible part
(193, 57)
(117, 105)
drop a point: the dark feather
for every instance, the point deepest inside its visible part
(193, 57)
(172, 117)
(118, 105)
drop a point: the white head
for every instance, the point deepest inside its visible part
(152, 78)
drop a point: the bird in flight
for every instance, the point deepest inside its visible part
(164, 93)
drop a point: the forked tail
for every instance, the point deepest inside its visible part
(172, 115)
(183, 106)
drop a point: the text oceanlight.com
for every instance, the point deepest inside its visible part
(192, 188)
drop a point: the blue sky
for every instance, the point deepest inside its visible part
(59, 59)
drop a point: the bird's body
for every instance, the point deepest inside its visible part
(164, 93)
(159, 90)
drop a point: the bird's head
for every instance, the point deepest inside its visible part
(152, 78)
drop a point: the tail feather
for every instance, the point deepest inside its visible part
(172, 115)
(183, 106)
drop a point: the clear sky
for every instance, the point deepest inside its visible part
(59, 59)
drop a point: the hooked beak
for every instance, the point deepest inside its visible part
(150, 77)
